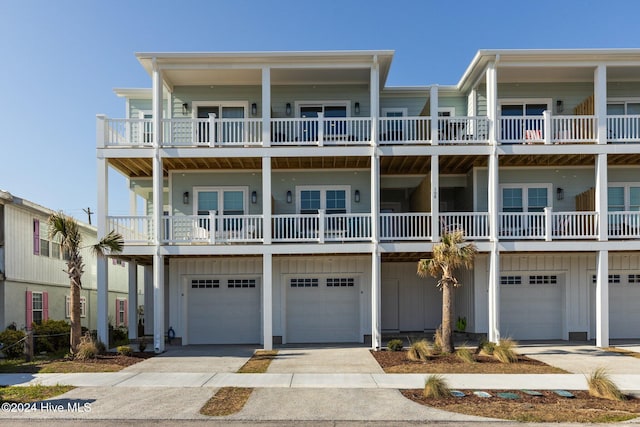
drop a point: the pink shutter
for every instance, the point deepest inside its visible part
(117, 313)
(36, 237)
(45, 306)
(126, 313)
(29, 309)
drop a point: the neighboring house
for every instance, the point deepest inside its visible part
(33, 283)
(287, 196)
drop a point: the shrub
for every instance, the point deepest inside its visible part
(601, 385)
(435, 387)
(120, 336)
(54, 336)
(486, 347)
(504, 351)
(420, 351)
(464, 354)
(10, 346)
(461, 324)
(437, 340)
(394, 345)
(87, 348)
(100, 347)
(124, 350)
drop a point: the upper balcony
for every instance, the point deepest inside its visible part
(358, 131)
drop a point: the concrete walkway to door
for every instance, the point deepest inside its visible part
(325, 359)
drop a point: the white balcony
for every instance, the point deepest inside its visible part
(548, 129)
(463, 130)
(356, 227)
(623, 129)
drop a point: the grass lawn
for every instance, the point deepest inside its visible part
(32, 393)
(110, 362)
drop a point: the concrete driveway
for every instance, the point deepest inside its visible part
(324, 360)
(197, 358)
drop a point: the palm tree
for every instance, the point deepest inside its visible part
(448, 255)
(65, 229)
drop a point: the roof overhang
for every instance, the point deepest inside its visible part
(245, 68)
(560, 65)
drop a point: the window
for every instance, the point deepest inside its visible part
(119, 262)
(44, 247)
(232, 200)
(37, 307)
(333, 129)
(332, 199)
(55, 250)
(511, 280)
(340, 282)
(67, 307)
(222, 131)
(146, 127)
(241, 283)
(205, 284)
(525, 198)
(634, 278)
(543, 280)
(623, 197)
(392, 130)
(613, 278)
(529, 126)
(121, 312)
(304, 282)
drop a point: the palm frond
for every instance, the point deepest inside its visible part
(111, 243)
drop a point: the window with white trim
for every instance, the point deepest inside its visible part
(525, 197)
(623, 196)
(613, 278)
(333, 199)
(146, 127)
(67, 306)
(37, 307)
(543, 280)
(44, 247)
(511, 280)
(241, 283)
(122, 310)
(205, 283)
(55, 250)
(340, 282)
(634, 278)
(304, 282)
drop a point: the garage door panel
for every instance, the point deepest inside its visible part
(529, 312)
(624, 318)
(224, 315)
(322, 313)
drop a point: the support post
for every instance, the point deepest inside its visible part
(547, 128)
(548, 223)
(266, 108)
(494, 293)
(267, 301)
(433, 105)
(600, 101)
(148, 300)
(102, 275)
(266, 200)
(602, 197)
(376, 318)
(158, 303)
(435, 198)
(374, 99)
(321, 225)
(132, 314)
(602, 299)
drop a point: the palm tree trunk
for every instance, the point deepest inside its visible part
(447, 311)
(76, 326)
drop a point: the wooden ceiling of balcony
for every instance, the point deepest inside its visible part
(389, 165)
(403, 256)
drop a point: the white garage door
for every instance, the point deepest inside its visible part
(531, 307)
(323, 309)
(223, 311)
(624, 315)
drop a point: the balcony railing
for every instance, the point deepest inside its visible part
(624, 225)
(321, 131)
(321, 227)
(408, 226)
(622, 129)
(404, 130)
(547, 129)
(463, 130)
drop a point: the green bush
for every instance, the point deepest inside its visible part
(100, 347)
(54, 336)
(9, 338)
(394, 345)
(120, 336)
(124, 350)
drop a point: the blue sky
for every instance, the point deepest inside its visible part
(61, 60)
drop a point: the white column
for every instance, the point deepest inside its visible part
(148, 300)
(493, 205)
(133, 201)
(494, 294)
(602, 299)
(601, 196)
(376, 328)
(267, 301)
(100, 130)
(158, 303)
(266, 107)
(266, 200)
(433, 106)
(600, 101)
(132, 314)
(435, 198)
(374, 94)
(102, 274)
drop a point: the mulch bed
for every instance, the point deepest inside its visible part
(109, 362)
(397, 362)
(547, 408)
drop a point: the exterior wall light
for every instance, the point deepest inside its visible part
(289, 196)
(559, 193)
(356, 196)
(185, 108)
(287, 109)
(254, 197)
(254, 109)
(356, 107)
(185, 197)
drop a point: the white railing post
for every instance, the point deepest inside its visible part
(321, 225)
(546, 118)
(100, 130)
(320, 129)
(212, 129)
(212, 227)
(548, 215)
